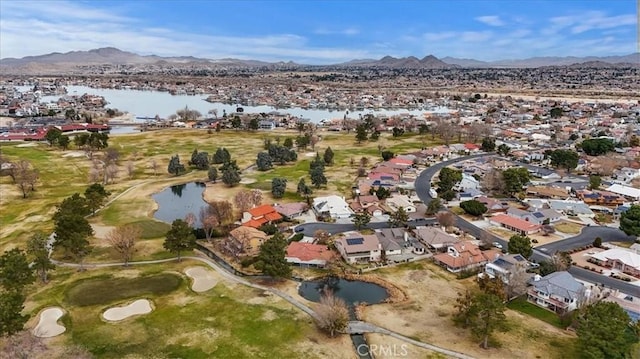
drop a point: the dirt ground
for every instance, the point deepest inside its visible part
(427, 317)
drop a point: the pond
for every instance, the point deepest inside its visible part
(351, 291)
(177, 201)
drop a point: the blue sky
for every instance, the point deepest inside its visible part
(322, 32)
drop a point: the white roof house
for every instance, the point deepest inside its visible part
(628, 257)
(625, 191)
(333, 206)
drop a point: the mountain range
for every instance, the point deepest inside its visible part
(114, 56)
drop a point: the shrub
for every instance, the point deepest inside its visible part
(297, 237)
(248, 261)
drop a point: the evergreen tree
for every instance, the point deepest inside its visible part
(271, 259)
(95, 196)
(361, 133)
(399, 218)
(263, 161)
(39, 254)
(604, 331)
(212, 174)
(278, 187)
(179, 238)
(175, 167)
(221, 156)
(15, 271)
(328, 156)
(230, 173)
(520, 244)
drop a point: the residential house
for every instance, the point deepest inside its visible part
(502, 266)
(626, 191)
(308, 254)
(356, 248)
(291, 210)
(547, 192)
(245, 241)
(470, 194)
(367, 203)
(266, 125)
(619, 259)
(435, 238)
(493, 205)
(396, 202)
(468, 182)
(600, 198)
(398, 244)
(332, 206)
(517, 225)
(538, 217)
(258, 216)
(463, 255)
(558, 292)
(571, 208)
(627, 174)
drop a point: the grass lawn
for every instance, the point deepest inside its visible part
(106, 290)
(568, 227)
(523, 306)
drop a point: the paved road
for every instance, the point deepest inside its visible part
(588, 234)
(309, 228)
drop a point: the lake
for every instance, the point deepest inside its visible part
(177, 201)
(152, 103)
(351, 291)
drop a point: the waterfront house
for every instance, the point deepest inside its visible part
(245, 241)
(435, 238)
(357, 248)
(308, 254)
(258, 216)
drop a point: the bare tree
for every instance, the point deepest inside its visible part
(190, 218)
(131, 168)
(445, 219)
(332, 314)
(94, 175)
(24, 176)
(517, 280)
(208, 222)
(245, 200)
(111, 155)
(23, 345)
(154, 166)
(493, 181)
(111, 173)
(222, 211)
(123, 239)
(321, 236)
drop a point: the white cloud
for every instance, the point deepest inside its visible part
(491, 20)
(439, 36)
(347, 31)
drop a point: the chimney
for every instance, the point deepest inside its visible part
(536, 278)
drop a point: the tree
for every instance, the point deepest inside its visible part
(361, 220)
(382, 193)
(434, 206)
(72, 231)
(517, 280)
(604, 331)
(281, 154)
(123, 239)
(200, 160)
(38, 252)
(222, 211)
(221, 156)
(263, 161)
(328, 156)
(387, 155)
(445, 219)
(488, 144)
(304, 190)
(597, 242)
(520, 244)
(95, 195)
(503, 150)
(245, 200)
(271, 259)
(332, 314)
(208, 222)
(448, 179)
(288, 143)
(630, 221)
(254, 124)
(25, 176)
(72, 205)
(556, 112)
(566, 159)
(397, 132)
(515, 179)
(63, 142)
(594, 182)
(493, 286)
(11, 319)
(175, 167)
(278, 187)
(212, 174)
(597, 146)
(483, 313)
(473, 207)
(179, 238)
(318, 178)
(53, 135)
(230, 173)
(361, 133)
(399, 218)
(15, 272)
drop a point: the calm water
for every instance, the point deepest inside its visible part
(177, 201)
(352, 291)
(152, 103)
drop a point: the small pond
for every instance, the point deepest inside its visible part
(177, 201)
(351, 291)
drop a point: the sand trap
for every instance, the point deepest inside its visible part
(140, 306)
(203, 280)
(48, 324)
(74, 154)
(310, 154)
(29, 144)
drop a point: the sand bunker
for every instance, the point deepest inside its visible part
(203, 280)
(48, 324)
(29, 144)
(140, 306)
(74, 154)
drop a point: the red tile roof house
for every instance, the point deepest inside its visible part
(291, 210)
(463, 256)
(256, 217)
(517, 225)
(308, 255)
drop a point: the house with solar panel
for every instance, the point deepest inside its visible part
(502, 266)
(359, 248)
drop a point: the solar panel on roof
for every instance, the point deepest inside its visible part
(355, 241)
(519, 258)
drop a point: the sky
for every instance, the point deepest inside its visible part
(323, 32)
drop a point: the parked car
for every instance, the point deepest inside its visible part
(497, 245)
